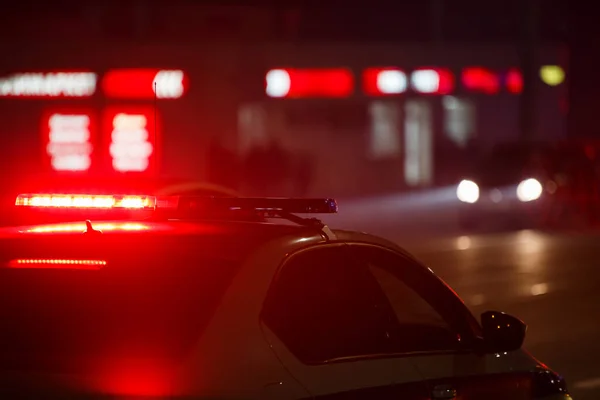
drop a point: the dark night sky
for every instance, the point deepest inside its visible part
(409, 20)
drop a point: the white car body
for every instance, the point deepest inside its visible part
(239, 357)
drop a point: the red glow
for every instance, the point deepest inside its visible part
(432, 81)
(514, 81)
(306, 83)
(81, 227)
(136, 378)
(67, 138)
(481, 79)
(49, 84)
(82, 201)
(384, 81)
(31, 263)
(138, 83)
(130, 132)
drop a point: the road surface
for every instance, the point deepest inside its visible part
(549, 280)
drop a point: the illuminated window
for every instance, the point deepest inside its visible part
(307, 83)
(418, 143)
(432, 81)
(132, 141)
(481, 80)
(459, 119)
(55, 84)
(384, 81)
(385, 130)
(68, 141)
(138, 83)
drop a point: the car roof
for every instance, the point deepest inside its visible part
(239, 233)
(227, 240)
(165, 227)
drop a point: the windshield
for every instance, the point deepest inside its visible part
(146, 302)
(507, 165)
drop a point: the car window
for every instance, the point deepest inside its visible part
(408, 306)
(508, 164)
(430, 316)
(324, 306)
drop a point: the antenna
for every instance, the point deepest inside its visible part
(155, 133)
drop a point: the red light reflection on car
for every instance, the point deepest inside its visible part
(81, 227)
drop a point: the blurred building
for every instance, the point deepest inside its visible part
(374, 104)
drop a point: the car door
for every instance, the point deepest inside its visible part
(438, 334)
(329, 323)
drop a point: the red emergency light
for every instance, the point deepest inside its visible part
(68, 139)
(85, 201)
(384, 81)
(432, 80)
(479, 79)
(139, 83)
(309, 83)
(34, 263)
(131, 136)
(177, 203)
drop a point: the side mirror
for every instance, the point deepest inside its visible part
(502, 332)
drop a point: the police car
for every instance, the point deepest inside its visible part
(238, 298)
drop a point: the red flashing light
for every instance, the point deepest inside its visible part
(307, 83)
(138, 83)
(48, 84)
(384, 81)
(481, 79)
(31, 263)
(432, 81)
(67, 139)
(514, 81)
(83, 201)
(131, 132)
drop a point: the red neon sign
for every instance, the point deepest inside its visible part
(307, 83)
(384, 81)
(514, 81)
(131, 135)
(479, 79)
(432, 81)
(138, 83)
(68, 140)
(48, 84)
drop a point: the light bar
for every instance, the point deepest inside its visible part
(84, 201)
(35, 263)
(292, 206)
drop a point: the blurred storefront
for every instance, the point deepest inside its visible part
(343, 119)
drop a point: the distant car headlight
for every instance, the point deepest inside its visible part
(467, 191)
(529, 190)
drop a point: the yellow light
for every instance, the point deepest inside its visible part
(552, 75)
